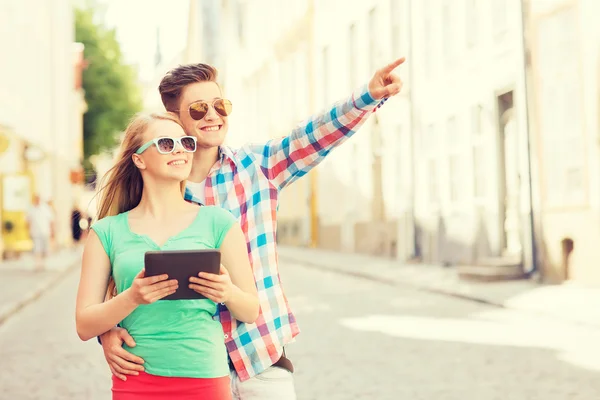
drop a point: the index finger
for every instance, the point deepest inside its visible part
(393, 65)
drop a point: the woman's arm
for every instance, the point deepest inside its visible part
(94, 316)
(235, 285)
(243, 302)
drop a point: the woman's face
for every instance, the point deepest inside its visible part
(173, 166)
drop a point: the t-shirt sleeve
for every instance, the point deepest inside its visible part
(102, 229)
(223, 220)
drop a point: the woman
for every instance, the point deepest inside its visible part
(142, 209)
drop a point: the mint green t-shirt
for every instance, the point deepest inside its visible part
(176, 338)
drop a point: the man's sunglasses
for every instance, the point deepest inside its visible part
(199, 109)
(166, 145)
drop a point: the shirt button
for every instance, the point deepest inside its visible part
(226, 336)
(222, 304)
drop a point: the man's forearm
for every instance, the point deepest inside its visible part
(243, 306)
(286, 159)
(97, 319)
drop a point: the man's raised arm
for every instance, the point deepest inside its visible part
(286, 159)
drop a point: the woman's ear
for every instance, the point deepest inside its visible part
(138, 161)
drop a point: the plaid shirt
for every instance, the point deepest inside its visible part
(247, 182)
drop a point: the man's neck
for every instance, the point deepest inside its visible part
(204, 159)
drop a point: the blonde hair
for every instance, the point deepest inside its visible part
(122, 186)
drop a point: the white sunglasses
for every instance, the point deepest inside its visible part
(166, 145)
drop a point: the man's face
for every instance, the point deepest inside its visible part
(210, 130)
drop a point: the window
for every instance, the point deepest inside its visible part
(428, 52)
(241, 14)
(456, 142)
(479, 181)
(428, 140)
(479, 151)
(499, 17)
(448, 32)
(432, 177)
(428, 150)
(352, 56)
(326, 77)
(476, 119)
(455, 177)
(373, 39)
(561, 105)
(395, 21)
(453, 135)
(472, 22)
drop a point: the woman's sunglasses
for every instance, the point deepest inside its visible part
(166, 145)
(199, 109)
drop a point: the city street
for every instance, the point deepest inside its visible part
(359, 340)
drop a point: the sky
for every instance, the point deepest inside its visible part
(136, 22)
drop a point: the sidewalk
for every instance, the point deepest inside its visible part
(20, 284)
(569, 301)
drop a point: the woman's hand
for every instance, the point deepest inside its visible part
(218, 288)
(147, 290)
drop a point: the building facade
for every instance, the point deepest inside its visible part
(566, 125)
(285, 62)
(41, 108)
(489, 157)
(471, 192)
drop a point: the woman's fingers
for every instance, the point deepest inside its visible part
(159, 294)
(206, 282)
(125, 367)
(118, 375)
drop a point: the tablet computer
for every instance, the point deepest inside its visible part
(181, 265)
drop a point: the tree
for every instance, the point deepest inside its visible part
(110, 85)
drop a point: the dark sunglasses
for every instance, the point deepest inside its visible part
(199, 109)
(166, 145)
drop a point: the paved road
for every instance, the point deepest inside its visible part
(359, 340)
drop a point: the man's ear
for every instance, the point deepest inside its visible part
(138, 161)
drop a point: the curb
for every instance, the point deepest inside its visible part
(429, 289)
(7, 311)
(374, 278)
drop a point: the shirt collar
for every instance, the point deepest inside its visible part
(226, 152)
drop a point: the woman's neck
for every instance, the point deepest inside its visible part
(159, 200)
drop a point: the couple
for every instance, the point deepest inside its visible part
(175, 186)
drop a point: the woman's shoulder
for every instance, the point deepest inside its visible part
(217, 212)
(108, 221)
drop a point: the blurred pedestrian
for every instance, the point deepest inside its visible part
(53, 241)
(76, 225)
(40, 221)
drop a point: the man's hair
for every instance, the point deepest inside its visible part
(178, 78)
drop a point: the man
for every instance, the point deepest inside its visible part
(247, 182)
(39, 222)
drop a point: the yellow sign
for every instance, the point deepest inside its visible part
(16, 198)
(4, 142)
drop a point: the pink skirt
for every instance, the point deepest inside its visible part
(151, 387)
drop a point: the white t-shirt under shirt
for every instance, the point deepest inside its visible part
(197, 190)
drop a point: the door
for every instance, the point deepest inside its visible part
(512, 184)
